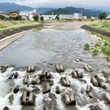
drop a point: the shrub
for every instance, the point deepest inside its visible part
(106, 50)
(102, 16)
(98, 44)
(18, 18)
(57, 17)
(42, 18)
(36, 18)
(2, 17)
(86, 47)
(95, 52)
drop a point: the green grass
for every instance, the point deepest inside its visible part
(104, 37)
(108, 58)
(95, 52)
(86, 47)
(106, 50)
(14, 24)
(38, 28)
(105, 25)
(98, 44)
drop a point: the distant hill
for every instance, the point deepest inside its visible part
(43, 10)
(71, 10)
(8, 7)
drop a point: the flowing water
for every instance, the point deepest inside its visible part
(47, 46)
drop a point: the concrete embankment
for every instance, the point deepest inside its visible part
(12, 31)
(10, 35)
(93, 29)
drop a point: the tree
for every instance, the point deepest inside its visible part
(2, 17)
(18, 18)
(36, 18)
(57, 17)
(42, 18)
(102, 16)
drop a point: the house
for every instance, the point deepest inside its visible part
(13, 14)
(28, 15)
(49, 17)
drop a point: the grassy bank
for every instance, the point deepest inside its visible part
(101, 47)
(14, 24)
(105, 24)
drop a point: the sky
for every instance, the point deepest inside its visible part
(94, 4)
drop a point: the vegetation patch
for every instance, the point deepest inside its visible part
(95, 52)
(15, 24)
(86, 47)
(38, 28)
(105, 25)
(98, 44)
(106, 50)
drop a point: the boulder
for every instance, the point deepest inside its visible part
(66, 99)
(11, 76)
(16, 75)
(65, 81)
(88, 68)
(58, 90)
(79, 73)
(94, 81)
(107, 97)
(106, 72)
(3, 69)
(6, 108)
(28, 98)
(59, 68)
(97, 107)
(31, 99)
(36, 80)
(46, 88)
(72, 99)
(31, 69)
(45, 75)
(105, 85)
(88, 88)
(24, 98)
(16, 89)
(108, 79)
(69, 99)
(74, 74)
(25, 80)
(92, 107)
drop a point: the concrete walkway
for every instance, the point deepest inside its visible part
(8, 40)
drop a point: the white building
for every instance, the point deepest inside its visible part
(77, 16)
(108, 17)
(66, 16)
(84, 17)
(4, 14)
(71, 16)
(49, 17)
(28, 15)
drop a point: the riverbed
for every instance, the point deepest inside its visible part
(44, 49)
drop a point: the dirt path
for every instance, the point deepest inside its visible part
(72, 25)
